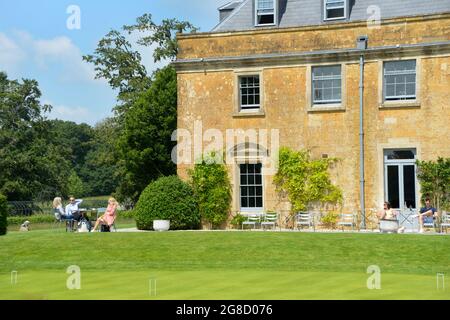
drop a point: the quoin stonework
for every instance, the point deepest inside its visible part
(295, 67)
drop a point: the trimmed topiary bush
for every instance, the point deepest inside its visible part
(167, 198)
(3, 215)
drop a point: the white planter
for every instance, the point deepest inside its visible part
(389, 226)
(161, 225)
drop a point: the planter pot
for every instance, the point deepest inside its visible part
(389, 226)
(161, 225)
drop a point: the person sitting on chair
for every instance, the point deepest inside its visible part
(389, 214)
(60, 214)
(110, 215)
(427, 214)
(72, 209)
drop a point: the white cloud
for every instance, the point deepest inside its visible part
(57, 54)
(11, 55)
(74, 114)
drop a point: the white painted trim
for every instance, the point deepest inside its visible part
(275, 14)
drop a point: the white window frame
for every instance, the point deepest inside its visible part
(249, 209)
(405, 97)
(275, 14)
(325, 102)
(254, 107)
(325, 2)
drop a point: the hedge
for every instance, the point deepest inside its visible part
(3, 215)
(168, 198)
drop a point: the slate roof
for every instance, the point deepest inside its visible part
(294, 13)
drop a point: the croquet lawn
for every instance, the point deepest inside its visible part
(223, 265)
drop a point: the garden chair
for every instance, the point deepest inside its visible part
(253, 219)
(100, 212)
(270, 220)
(445, 221)
(347, 220)
(70, 223)
(303, 219)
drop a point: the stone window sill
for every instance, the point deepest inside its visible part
(248, 114)
(400, 104)
(326, 108)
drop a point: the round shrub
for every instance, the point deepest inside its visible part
(3, 215)
(168, 198)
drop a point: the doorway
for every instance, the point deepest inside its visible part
(401, 183)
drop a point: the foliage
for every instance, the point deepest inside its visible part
(120, 64)
(99, 172)
(34, 219)
(237, 220)
(305, 181)
(163, 35)
(330, 220)
(434, 177)
(167, 198)
(145, 144)
(75, 185)
(212, 190)
(30, 164)
(3, 215)
(147, 109)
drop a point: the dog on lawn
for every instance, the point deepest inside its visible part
(25, 227)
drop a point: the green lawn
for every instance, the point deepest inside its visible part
(223, 265)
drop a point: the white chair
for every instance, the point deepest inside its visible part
(304, 219)
(253, 219)
(347, 220)
(270, 220)
(445, 221)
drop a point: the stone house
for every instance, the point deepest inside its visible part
(293, 68)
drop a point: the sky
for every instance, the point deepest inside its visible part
(40, 39)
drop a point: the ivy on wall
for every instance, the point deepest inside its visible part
(434, 177)
(212, 189)
(305, 181)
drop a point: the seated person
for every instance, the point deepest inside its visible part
(72, 209)
(389, 214)
(60, 214)
(110, 215)
(427, 214)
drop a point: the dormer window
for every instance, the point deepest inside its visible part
(265, 12)
(335, 9)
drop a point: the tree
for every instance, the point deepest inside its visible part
(305, 181)
(3, 215)
(120, 64)
(146, 113)
(75, 186)
(434, 177)
(29, 164)
(99, 172)
(145, 144)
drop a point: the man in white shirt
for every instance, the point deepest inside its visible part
(72, 207)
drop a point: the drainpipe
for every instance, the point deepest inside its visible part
(362, 45)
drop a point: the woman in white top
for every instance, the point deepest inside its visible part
(59, 210)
